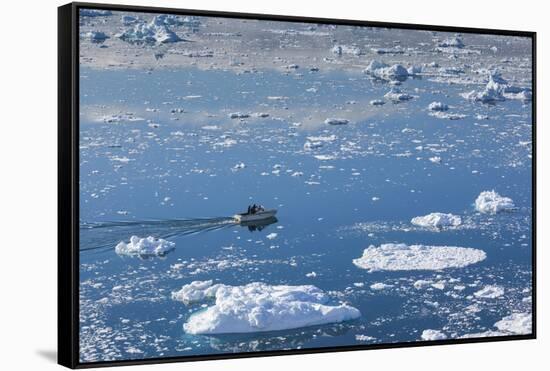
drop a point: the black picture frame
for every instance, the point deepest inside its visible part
(68, 182)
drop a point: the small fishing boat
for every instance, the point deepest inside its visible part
(254, 215)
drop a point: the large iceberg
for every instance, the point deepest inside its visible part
(490, 202)
(144, 247)
(155, 32)
(498, 89)
(402, 257)
(259, 307)
(437, 220)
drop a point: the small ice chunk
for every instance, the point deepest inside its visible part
(380, 286)
(433, 335)
(383, 71)
(397, 95)
(435, 159)
(311, 274)
(490, 202)
(437, 220)
(438, 106)
(453, 42)
(377, 102)
(259, 307)
(489, 292)
(271, 236)
(143, 247)
(336, 121)
(402, 257)
(95, 36)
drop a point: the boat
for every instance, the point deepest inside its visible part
(261, 214)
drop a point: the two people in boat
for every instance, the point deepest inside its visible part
(253, 209)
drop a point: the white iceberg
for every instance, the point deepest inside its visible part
(437, 220)
(143, 247)
(155, 32)
(386, 72)
(489, 292)
(433, 335)
(490, 202)
(402, 257)
(258, 307)
(516, 323)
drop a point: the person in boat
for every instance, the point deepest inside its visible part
(249, 209)
(253, 209)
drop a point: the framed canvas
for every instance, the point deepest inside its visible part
(238, 185)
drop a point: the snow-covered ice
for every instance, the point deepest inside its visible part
(402, 257)
(437, 220)
(490, 202)
(259, 307)
(144, 247)
(516, 323)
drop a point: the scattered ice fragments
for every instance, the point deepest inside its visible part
(490, 202)
(155, 32)
(402, 257)
(259, 307)
(437, 220)
(336, 121)
(438, 106)
(383, 71)
(433, 335)
(144, 247)
(94, 13)
(516, 323)
(489, 292)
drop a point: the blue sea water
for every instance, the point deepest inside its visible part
(177, 175)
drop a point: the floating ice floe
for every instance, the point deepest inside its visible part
(397, 95)
(144, 247)
(383, 71)
(435, 159)
(336, 121)
(437, 220)
(94, 36)
(490, 202)
(345, 49)
(380, 286)
(516, 323)
(95, 13)
(438, 106)
(259, 307)
(489, 292)
(433, 335)
(402, 257)
(155, 32)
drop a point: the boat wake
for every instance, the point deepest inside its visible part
(105, 235)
